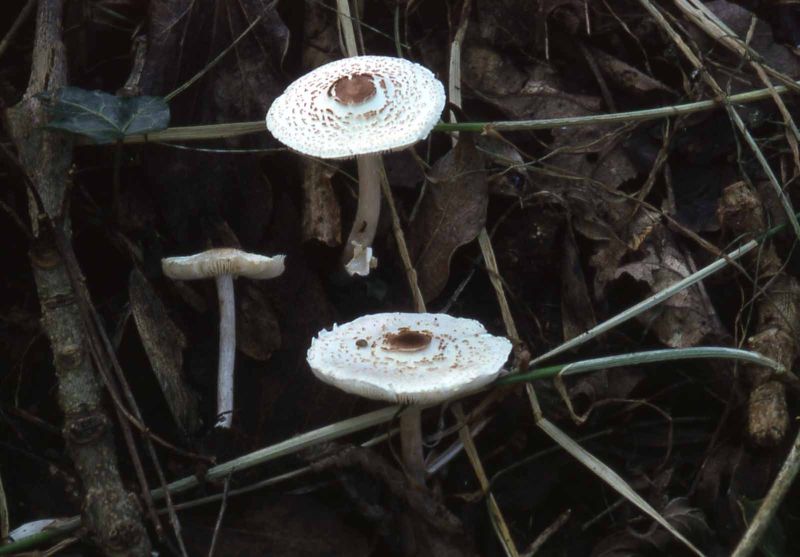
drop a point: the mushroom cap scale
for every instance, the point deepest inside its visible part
(223, 261)
(413, 358)
(357, 106)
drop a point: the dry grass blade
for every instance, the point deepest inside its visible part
(766, 512)
(498, 522)
(235, 129)
(648, 303)
(293, 445)
(548, 532)
(485, 242)
(646, 357)
(346, 27)
(454, 92)
(195, 133)
(290, 446)
(195, 78)
(690, 55)
(708, 21)
(610, 477)
(402, 246)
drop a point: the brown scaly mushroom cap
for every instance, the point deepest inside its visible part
(357, 106)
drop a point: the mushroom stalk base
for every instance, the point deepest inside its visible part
(411, 444)
(227, 350)
(365, 222)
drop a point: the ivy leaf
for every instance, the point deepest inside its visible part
(102, 117)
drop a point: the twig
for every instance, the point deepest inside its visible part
(732, 113)
(706, 20)
(16, 219)
(361, 24)
(402, 248)
(494, 277)
(605, 92)
(716, 28)
(494, 510)
(104, 354)
(245, 462)
(85, 308)
(192, 80)
(234, 129)
(23, 15)
(59, 547)
(174, 521)
(246, 489)
(611, 478)
(111, 514)
(220, 516)
(548, 532)
(454, 92)
(646, 304)
(769, 506)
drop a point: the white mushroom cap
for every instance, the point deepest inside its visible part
(415, 358)
(357, 106)
(223, 261)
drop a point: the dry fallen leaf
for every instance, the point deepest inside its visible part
(685, 319)
(322, 216)
(739, 20)
(258, 333)
(577, 314)
(589, 153)
(451, 214)
(163, 343)
(625, 76)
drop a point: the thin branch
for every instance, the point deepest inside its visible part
(220, 516)
(234, 129)
(23, 15)
(196, 77)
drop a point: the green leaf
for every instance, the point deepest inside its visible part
(102, 117)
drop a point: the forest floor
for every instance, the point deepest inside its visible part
(609, 178)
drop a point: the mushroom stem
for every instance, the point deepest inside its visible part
(369, 206)
(227, 350)
(411, 444)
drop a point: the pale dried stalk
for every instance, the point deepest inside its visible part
(454, 93)
(732, 113)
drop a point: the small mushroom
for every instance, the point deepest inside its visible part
(359, 107)
(408, 358)
(223, 264)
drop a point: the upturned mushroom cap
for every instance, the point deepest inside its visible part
(223, 261)
(415, 358)
(357, 106)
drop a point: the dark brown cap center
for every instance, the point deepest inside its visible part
(354, 89)
(407, 340)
